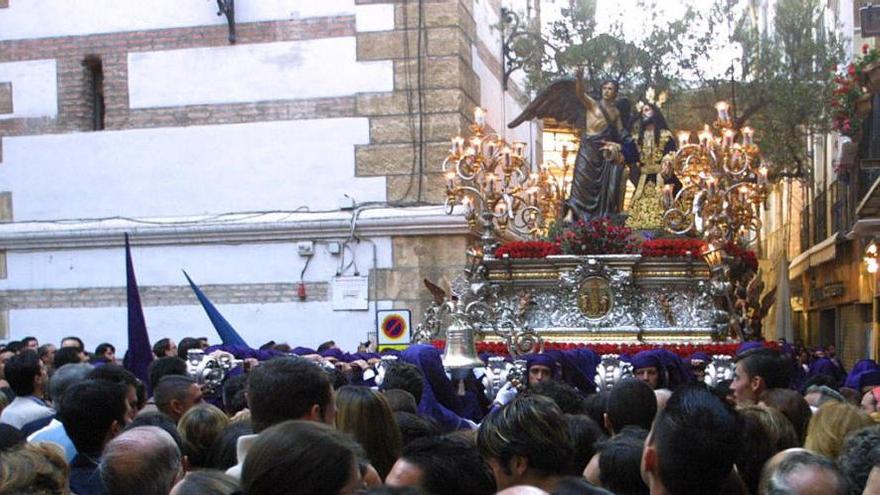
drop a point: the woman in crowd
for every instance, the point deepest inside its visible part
(366, 416)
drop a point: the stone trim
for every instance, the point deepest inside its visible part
(165, 295)
(6, 98)
(4, 4)
(5, 206)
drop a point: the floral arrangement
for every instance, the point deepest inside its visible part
(527, 249)
(673, 248)
(598, 236)
(682, 350)
(745, 256)
(847, 91)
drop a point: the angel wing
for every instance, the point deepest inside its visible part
(559, 101)
(439, 295)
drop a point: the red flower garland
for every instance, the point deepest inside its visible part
(673, 248)
(527, 249)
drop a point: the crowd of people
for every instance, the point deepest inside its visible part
(323, 421)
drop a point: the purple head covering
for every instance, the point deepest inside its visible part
(822, 366)
(579, 369)
(869, 378)
(303, 351)
(673, 372)
(646, 359)
(439, 400)
(544, 359)
(699, 356)
(852, 380)
(336, 353)
(747, 346)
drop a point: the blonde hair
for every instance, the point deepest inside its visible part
(831, 423)
(36, 468)
(198, 428)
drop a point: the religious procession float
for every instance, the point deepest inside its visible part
(557, 263)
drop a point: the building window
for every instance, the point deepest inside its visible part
(95, 90)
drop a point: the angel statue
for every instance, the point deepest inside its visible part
(655, 140)
(606, 145)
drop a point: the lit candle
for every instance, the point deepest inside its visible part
(728, 138)
(476, 145)
(684, 137)
(457, 144)
(667, 195)
(744, 193)
(748, 135)
(490, 182)
(711, 182)
(507, 157)
(519, 148)
(705, 137)
(468, 206)
(479, 117)
(450, 180)
(722, 107)
(762, 175)
(490, 148)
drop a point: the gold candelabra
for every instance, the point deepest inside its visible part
(496, 185)
(723, 183)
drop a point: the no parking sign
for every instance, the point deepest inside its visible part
(393, 326)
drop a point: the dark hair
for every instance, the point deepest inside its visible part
(631, 402)
(326, 345)
(776, 481)
(532, 427)
(170, 388)
(88, 411)
(25, 341)
(10, 437)
(860, 453)
(163, 367)
(20, 371)
(585, 433)
(404, 376)
(696, 437)
(103, 348)
(791, 404)
(113, 373)
(186, 344)
(222, 453)
(285, 388)
(450, 464)
(568, 398)
(310, 457)
(597, 405)
(207, 482)
(67, 355)
(412, 427)
(79, 342)
(14, 346)
(234, 397)
(620, 460)
(576, 485)
(63, 378)
(43, 351)
(767, 363)
(364, 414)
(159, 420)
(161, 346)
(765, 431)
(400, 400)
(337, 378)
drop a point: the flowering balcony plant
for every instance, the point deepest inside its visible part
(850, 102)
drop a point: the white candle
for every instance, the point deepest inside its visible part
(748, 135)
(684, 137)
(479, 116)
(722, 107)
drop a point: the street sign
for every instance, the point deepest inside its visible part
(393, 326)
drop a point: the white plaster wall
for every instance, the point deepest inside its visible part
(34, 88)
(190, 170)
(501, 107)
(253, 72)
(306, 324)
(26, 19)
(206, 264)
(378, 17)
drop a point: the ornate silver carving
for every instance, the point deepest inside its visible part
(610, 371)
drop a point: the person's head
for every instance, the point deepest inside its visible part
(568, 398)
(10, 437)
(443, 464)
(630, 403)
(163, 367)
(118, 374)
(597, 406)
(63, 378)
(106, 352)
(758, 370)
(404, 376)
(234, 397)
(610, 89)
(34, 468)
(765, 432)
(792, 405)
(222, 453)
(176, 394)
(585, 433)
(860, 453)
(73, 341)
(68, 355)
(186, 344)
(648, 368)
(831, 423)
(326, 346)
(206, 482)
(412, 427)
(26, 374)
(198, 428)
(47, 354)
(401, 401)
(159, 420)
(30, 343)
(289, 388)
(165, 347)
(527, 439)
(817, 395)
(93, 412)
(692, 444)
(541, 367)
(364, 414)
(306, 456)
(802, 472)
(619, 459)
(141, 461)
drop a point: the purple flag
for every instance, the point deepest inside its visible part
(139, 353)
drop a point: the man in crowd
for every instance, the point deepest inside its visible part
(177, 394)
(799, 472)
(27, 377)
(73, 342)
(692, 445)
(758, 370)
(64, 378)
(630, 403)
(443, 464)
(281, 389)
(93, 413)
(526, 442)
(141, 461)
